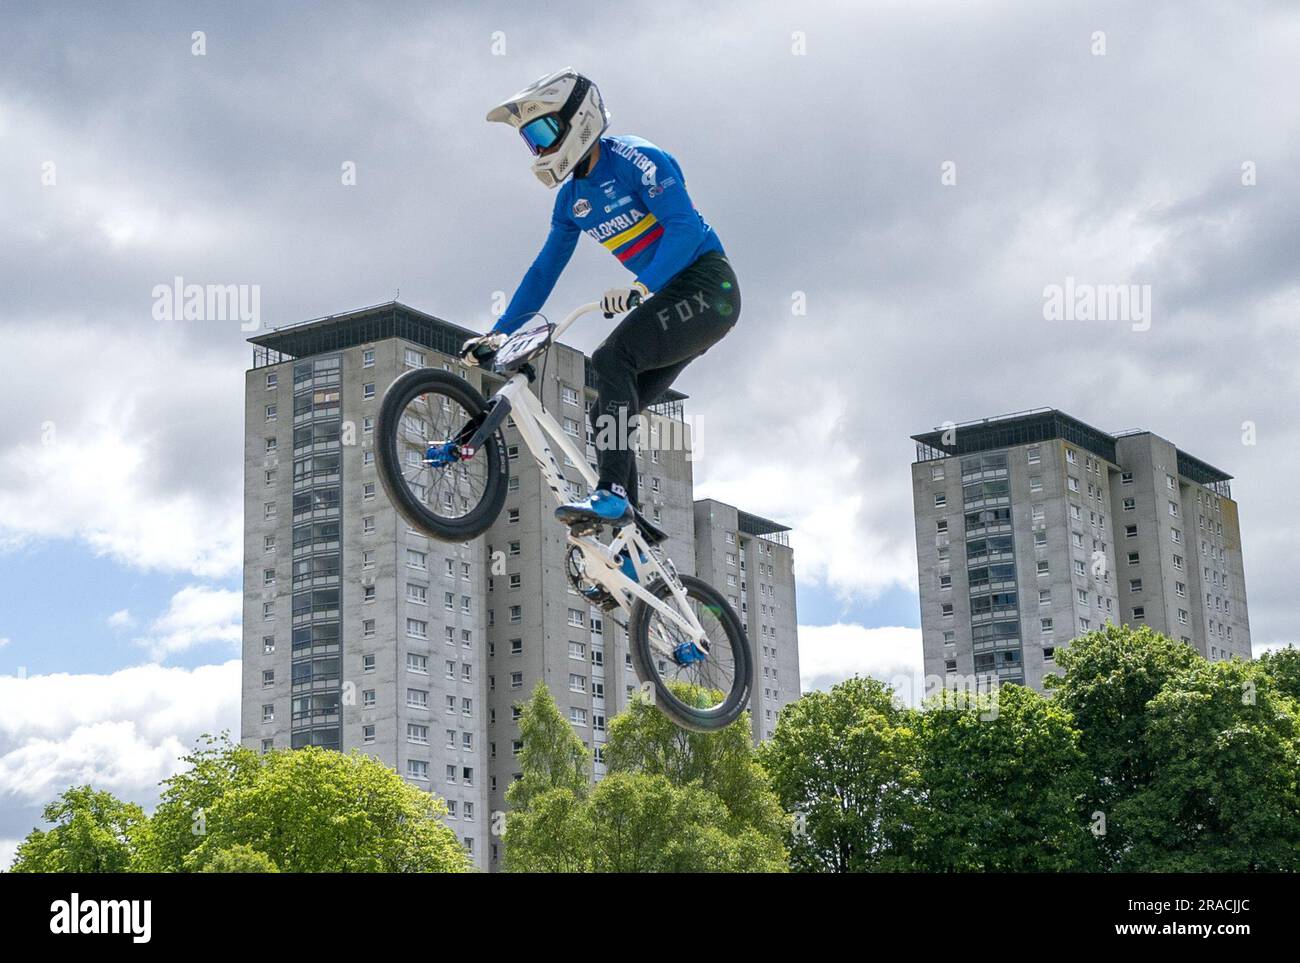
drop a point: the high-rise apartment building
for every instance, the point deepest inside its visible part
(749, 560)
(1034, 528)
(360, 632)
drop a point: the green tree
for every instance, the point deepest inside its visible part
(843, 762)
(1001, 777)
(1221, 796)
(1283, 666)
(239, 859)
(216, 766)
(1111, 675)
(643, 740)
(643, 823)
(94, 832)
(551, 834)
(315, 810)
(552, 756)
(632, 821)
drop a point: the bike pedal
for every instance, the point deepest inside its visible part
(581, 529)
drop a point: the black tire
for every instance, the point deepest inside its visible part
(490, 461)
(647, 662)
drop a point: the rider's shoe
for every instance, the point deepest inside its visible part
(602, 507)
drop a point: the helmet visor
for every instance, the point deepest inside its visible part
(542, 134)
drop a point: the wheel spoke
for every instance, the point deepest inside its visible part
(448, 491)
(714, 676)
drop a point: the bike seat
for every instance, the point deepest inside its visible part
(652, 534)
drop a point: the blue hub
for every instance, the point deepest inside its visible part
(440, 456)
(687, 653)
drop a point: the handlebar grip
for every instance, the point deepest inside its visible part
(633, 301)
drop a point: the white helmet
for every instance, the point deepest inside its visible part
(560, 117)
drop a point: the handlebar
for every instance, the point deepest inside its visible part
(588, 308)
(574, 315)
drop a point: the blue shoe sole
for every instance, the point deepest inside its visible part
(570, 515)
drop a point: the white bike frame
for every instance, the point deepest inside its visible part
(601, 563)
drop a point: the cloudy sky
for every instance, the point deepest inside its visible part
(896, 184)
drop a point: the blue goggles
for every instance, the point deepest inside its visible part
(543, 133)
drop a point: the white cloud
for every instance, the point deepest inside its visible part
(135, 466)
(121, 619)
(4, 641)
(197, 614)
(122, 732)
(832, 653)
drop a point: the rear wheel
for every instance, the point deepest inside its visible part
(425, 414)
(697, 691)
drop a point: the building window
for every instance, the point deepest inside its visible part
(940, 500)
(268, 678)
(368, 390)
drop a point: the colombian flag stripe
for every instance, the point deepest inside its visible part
(634, 249)
(618, 240)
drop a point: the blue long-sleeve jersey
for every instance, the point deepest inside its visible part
(634, 202)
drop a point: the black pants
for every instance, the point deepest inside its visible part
(650, 347)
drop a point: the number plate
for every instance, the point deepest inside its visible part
(522, 346)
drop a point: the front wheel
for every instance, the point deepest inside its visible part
(698, 691)
(425, 415)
